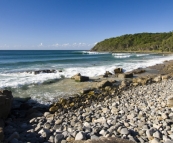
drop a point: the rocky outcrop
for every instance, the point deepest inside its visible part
(73, 77)
(6, 99)
(44, 71)
(79, 78)
(107, 73)
(118, 70)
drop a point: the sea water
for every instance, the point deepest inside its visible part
(14, 67)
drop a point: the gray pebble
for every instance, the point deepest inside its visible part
(124, 131)
(58, 138)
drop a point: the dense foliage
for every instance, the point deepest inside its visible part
(149, 42)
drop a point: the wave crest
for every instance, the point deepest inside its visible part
(121, 55)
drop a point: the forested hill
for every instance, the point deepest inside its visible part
(140, 42)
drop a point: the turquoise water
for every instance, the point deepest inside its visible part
(15, 64)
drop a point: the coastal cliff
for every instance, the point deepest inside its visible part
(140, 42)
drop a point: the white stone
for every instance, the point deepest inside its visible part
(155, 141)
(157, 134)
(80, 136)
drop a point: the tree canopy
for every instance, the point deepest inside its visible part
(140, 42)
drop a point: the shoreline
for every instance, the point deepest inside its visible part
(103, 110)
(73, 87)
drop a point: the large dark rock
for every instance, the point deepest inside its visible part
(6, 99)
(78, 77)
(81, 78)
(118, 70)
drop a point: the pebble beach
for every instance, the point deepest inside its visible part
(131, 112)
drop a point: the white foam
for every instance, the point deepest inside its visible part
(141, 55)
(94, 53)
(17, 80)
(147, 63)
(121, 55)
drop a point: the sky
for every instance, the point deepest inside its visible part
(78, 24)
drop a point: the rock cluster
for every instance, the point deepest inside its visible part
(139, 114)
(41, 71)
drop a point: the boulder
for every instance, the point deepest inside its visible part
(78, 77)
(81, 78)
(125, 75)
(118, 70)
(73, 77)
(107, 73)
(6, 100)
(104, 83)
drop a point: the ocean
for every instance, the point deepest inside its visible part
(17, 69)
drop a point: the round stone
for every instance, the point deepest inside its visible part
(80, 136)
(58, 138)
(124, 131)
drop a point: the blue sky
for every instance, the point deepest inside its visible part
(78, 24)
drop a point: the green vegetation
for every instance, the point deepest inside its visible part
(140, 42)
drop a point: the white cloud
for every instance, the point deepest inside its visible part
(75, 45)
(65, 45)
(40, 45)
(56, 45)
(4, 46)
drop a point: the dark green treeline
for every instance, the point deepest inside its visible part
(140, 42)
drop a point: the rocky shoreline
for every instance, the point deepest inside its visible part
(129, 110)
